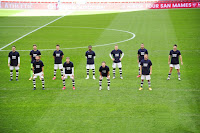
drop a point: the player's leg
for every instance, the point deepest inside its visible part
(64, 82)
(142, 82)
(139, 70)
(61, 70)
(54, 72)
(87, 71)
(120, 69)
(108, 81)
(170, 71)
(73, 82)
(93, 70)
(178, 71)
(42, 78)
(31, 72)
(100, 83)
(34, 82)
(114, 68)
(148, 78)
(17, 72)
(11, 73)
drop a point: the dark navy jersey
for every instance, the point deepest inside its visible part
(13, 58)
(141, 53)
(145, 66)
(104, 71)
(37, 66)
(68, 67)
(58, 56)
(116, 55)
(90, 57)
(175, 56)
(34, 54)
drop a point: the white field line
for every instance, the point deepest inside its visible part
(133, 36)
(34, 30)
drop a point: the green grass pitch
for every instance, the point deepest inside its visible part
(172, 106)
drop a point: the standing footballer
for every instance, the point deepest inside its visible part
(58, 56)
(140, 56)
(145, 71)
(68, 68)
(33, 54)
(38, 70)
(90, 56)
(104, 72)
(174, 56)
(14, 62)
(116, 55)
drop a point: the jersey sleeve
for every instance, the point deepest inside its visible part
(150, 63)
(9, 55)
(141, 63)
(85, 53)
(31, 53)
(42, 64)
(39, 53)
(170, 53)
(179, 53)
(62, 53)
(18, 55)
(94, 54)
(111, 53)
(100, 69)
(72, 65)
(138, 52)
(108, 69)
(54, 53)
(146, 52)
(121, 52)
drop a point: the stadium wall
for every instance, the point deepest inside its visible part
(96, 5)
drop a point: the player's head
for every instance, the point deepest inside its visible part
(57, 47)
(13, 48)
(89, 47)
(175, 47)
(67, 59)
(37, 58)
(103, 64)
(142, 45)
(116, 47)
(146, 56)
(34, 47)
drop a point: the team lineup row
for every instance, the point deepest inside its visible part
(67, 69)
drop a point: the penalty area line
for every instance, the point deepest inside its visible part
(35, 30)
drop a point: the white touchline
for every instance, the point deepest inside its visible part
(35, 30)
(133, 36)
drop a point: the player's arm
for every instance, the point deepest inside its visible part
(8, 61)
(138, 58)
(18, 61)
(150, 70)
(169, 59)
(43, 70)
(122, 56)
(39, 55)
(111, 57)
(140, 69)
(72, 71)
(108, 74)
(100, 74)
(181, 59)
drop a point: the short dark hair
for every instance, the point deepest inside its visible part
(116, 45)
(175, 45)
(89, 46)
(142, 43)
(67, 58)
(58, 45)
(34, 45)
(13, 46)
(103, 62)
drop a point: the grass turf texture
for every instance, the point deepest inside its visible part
(172, 106)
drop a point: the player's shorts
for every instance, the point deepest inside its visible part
(58, 66)
(103, 77)
(38, 75)
(90, 66)
(147, 77)
(14, 67)
(68, 75)
(176, 66)
(139, 64)
(119, 65)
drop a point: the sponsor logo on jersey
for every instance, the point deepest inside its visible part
(37, 66)
(13, 57)
(89, 56)
(174, 55)
(57, 55)
(145, 64)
